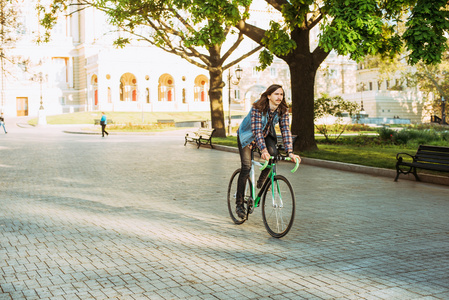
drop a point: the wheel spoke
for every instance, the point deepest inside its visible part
(278, 208)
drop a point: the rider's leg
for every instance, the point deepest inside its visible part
(245, 158)
(270, 142)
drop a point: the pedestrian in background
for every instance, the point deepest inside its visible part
(2, 122)
(103, 123)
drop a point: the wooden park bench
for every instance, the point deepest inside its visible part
(202, 136)
(434, 158)
(166, 122)
(280, 142)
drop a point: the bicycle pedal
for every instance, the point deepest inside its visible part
(250, 205)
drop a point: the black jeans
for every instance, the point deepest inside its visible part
(245, 158)
(103, 129)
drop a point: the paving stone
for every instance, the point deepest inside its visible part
(143, 217)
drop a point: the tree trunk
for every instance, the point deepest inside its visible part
(216, 102)
(303, 66)
(302, 76)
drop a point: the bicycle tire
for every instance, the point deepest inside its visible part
(278, 214)
(232, 192)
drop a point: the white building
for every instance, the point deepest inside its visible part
(389, 99)
(80, 70)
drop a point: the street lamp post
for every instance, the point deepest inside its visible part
(362, 112)
(42, 119)
(443, 113)
(238, 75)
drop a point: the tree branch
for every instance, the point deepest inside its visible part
(319, 55)
(253, 32)
(314, 19)
(232, 48)
(432, 79)
(227, 66)
(179, 51)
(277, 4)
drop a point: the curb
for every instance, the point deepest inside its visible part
(427, 178)
(81, 132)
(24, 125)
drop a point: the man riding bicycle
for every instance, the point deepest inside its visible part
(257, 130)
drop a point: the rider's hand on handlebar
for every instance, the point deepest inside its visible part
(294, 157)
(265, 155)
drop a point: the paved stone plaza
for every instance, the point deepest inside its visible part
(143, 217)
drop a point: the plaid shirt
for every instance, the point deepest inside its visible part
(261, 133)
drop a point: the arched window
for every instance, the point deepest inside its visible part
(166, 89)
(147, 95)
(254, 92)
(201, 89)
(94, 91)
(128, 87)
(94, 83)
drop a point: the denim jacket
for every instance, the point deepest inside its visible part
(245, 132)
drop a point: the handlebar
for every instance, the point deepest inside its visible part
(281, 158)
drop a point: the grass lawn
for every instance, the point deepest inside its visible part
(380, 157)
(125, 117)
(372, 156)
(384, 157)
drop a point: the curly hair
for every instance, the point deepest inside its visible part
(263, 104)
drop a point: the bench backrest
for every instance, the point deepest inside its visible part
(280, 141)
(433, 154)
(205, 132)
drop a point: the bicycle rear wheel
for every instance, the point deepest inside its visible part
(278, 207)
(232, 197)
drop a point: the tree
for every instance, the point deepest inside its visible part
(435, 79)
(8, 25)
(333, 107)
(350, 27)
(190, 29)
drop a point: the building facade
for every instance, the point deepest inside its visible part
(80, 70)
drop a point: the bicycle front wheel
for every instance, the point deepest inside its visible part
(232, 197)
(278, 207)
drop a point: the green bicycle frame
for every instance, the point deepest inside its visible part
(271, 175)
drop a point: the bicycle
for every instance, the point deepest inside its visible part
(278, 206)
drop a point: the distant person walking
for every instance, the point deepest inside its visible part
(103, 123)
(2, 122)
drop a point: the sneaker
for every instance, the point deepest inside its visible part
(241, 212)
